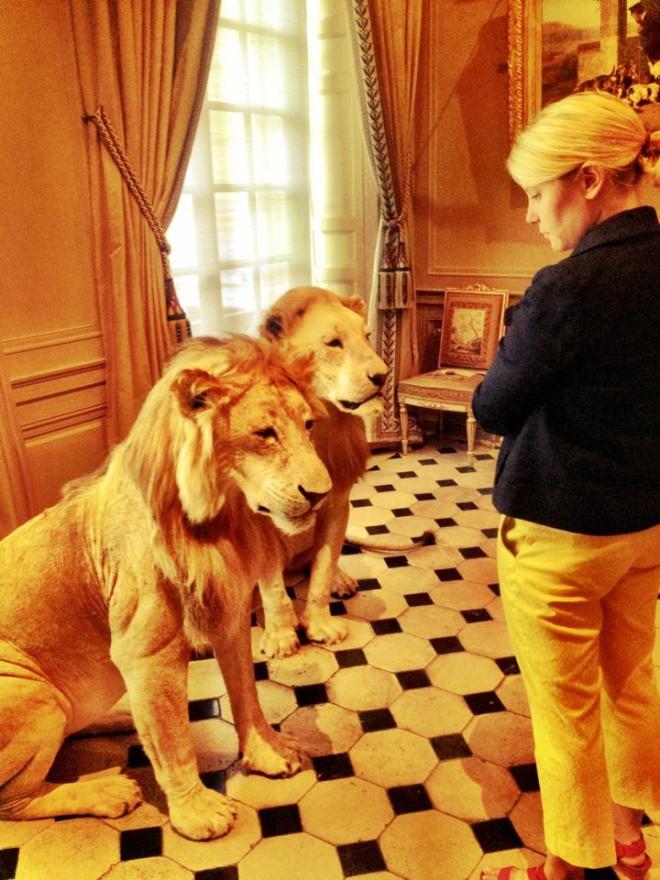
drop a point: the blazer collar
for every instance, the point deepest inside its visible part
(626, 224)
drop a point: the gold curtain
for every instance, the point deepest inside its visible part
(387, 44)
(145, 63)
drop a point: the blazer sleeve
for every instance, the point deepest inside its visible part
(541, 345)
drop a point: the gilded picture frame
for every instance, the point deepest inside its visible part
(471, 328)
(560, 46)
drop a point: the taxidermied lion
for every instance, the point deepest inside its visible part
(109, 590)
(348, 376)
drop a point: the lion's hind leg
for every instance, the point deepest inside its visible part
(32, 728)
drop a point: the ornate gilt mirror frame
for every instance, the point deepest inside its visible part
(524, 24)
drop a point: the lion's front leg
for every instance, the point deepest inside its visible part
(279, 638)
(319, 624)
(263, 749)
(152, 656)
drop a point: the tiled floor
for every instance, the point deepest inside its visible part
(420, 754)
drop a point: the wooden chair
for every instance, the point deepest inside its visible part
(472, 324)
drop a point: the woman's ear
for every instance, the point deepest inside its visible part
(593, 179)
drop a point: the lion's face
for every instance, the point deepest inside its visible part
(347, 371)
(274, 462)
(251, 427)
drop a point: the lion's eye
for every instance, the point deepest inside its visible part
(309, 424)
(267, 433)
(335, 343)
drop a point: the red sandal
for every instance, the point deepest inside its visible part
(532, 873)
(630, 850)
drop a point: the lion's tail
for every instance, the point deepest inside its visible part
(388, 543)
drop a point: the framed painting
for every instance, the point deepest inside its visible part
(560, 46)
(471, 328)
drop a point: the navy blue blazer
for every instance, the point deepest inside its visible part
(575, 387)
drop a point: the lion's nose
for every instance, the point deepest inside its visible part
(378, 379)
(314, 498)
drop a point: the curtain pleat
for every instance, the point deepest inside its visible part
(146, 64)
(387, 41)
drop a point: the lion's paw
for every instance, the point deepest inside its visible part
(203, 814)
(343, 584)
(281, 641)
(271, 753)
(109, 796)
(323, 627)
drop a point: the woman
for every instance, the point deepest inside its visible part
(575, 390)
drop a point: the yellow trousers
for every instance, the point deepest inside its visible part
(581, 615)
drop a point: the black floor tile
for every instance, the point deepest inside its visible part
(385, 488)
(261, 670)
(396, 561)
(487, 490)
(202, 710)
(350, 550)
(472, 552)
(446, 484)
(337, 608)
(447, 450)
(448, 574)
(495, 835)
(416, 599)
(450, 746)
(386, 626)
(446, 521)
(350, 657)
(526, 777)
(489, 533)
(508, 665)
(413, 678)
(475, 615)
(377, 530)
(229, 872)
(466, 469)
(402, 511)
(427, 461)
(376, 719)
(407, 475)
(361, 858)
(409, 799)
(483, 456)
(425, 496)
(8, 862)
(485, 702)
(361, 502)
(140, 843)
(332, 766)
(467, 505)
(368, 584)
(276, 821)
(215, 779)
(310, 694)
(446, 645)
(494, 588)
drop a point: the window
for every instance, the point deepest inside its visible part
(250, 206)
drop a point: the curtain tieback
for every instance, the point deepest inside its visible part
(108, 135)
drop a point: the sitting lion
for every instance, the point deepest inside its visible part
(348, 376)
(110, 589)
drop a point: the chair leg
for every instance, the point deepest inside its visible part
(403, 418)
(471, 429)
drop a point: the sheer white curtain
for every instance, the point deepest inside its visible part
(279, 190)
(241, 233)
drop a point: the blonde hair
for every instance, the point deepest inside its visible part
(584, 128)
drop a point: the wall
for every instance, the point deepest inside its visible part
(52, 362)
(470, 218)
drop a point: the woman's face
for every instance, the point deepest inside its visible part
(562, 210)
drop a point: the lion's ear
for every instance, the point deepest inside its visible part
(355, 303)
(196, 391)
(273, 326)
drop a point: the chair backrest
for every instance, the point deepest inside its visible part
(472, 324)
